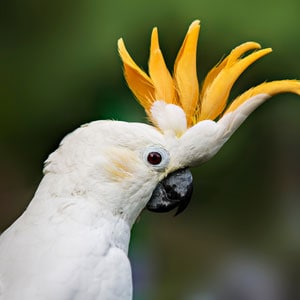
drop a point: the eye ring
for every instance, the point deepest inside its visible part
(156, 157)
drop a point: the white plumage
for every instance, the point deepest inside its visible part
(71, 243)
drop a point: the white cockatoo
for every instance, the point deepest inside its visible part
(72, 240)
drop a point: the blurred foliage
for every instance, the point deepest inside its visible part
(59, 68)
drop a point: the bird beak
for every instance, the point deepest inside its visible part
(173, 191)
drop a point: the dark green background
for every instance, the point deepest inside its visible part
(59, 68)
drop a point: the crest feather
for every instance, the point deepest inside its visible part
(269, 88)
(185, 72)
(138, 81)
(160, 75)
(173, 103)
(217, 87)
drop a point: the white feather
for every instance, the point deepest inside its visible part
(169, 117)
(72, 241)
(232, 120)
(202, 141)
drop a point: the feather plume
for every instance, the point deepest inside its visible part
(183, 90)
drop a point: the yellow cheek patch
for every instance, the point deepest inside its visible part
(121, 163)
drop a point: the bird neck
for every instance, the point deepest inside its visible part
(76, 211)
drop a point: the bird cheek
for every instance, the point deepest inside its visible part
(121, 164)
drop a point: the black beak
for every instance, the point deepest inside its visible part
(173, 191)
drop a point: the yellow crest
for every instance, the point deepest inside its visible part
(182, 88)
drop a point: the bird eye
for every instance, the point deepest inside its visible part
(154, 158)
(157, 157)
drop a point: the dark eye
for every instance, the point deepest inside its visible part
(157, 157)
(154, 158)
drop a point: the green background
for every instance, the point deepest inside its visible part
(59, 68)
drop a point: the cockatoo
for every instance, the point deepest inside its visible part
(72, 240)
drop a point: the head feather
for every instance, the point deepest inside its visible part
(182, 88)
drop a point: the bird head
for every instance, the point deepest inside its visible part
(130, 166)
